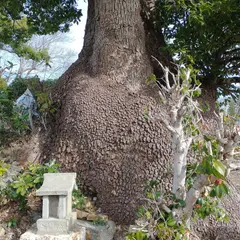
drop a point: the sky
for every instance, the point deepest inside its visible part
(77, 31)
(63, 50)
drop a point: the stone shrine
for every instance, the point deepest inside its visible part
(57, 215)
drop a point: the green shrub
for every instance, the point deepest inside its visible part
(12, 222)
(3, 167)
(100, 221)
(13, 122)
(78, 200)
(28, 180)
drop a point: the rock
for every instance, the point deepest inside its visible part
(10, 236)
(88, 236)
(89, 206)
(34, 202)
(105, 232)
(2, 231)
(92, 217)
(31, 234)
(81, 214)
(95, 217)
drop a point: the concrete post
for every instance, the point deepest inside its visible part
(45, 208)
(69, 203)
(62, 207)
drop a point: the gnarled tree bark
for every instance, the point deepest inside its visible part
(100, 128)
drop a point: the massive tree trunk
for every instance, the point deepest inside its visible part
(100, 129)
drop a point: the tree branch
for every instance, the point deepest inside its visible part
(229, 80)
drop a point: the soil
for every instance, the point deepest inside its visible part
(27, 149)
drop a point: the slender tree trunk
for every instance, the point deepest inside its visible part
(210, 228)
(208, 100)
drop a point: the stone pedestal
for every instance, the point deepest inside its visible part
(56, 226)
(32, 234)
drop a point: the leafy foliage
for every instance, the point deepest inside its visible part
(28, 180)
(78, 200)
(167, 215)
(207, 206)
(12, 222)
(205, 34)
(100, 221)
(19, 20)
(3, 167)
(155, 223)
(14, 121)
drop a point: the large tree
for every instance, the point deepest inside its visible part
(101, 129)
(205, 34)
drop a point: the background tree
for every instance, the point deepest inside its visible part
(59, 58)
(20, 20)
(205, 34)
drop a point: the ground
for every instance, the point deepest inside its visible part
(27, 149)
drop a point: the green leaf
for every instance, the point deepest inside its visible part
(213, 193)
(171, 222)
(226, 189)
(218, 191)
(181, 202)
(206, 166)
(197, 93)
(152, 78)
(219, 169)
(157, 194)
(178, 236)
(37, 180)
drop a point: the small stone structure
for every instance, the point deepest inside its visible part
(57, 215)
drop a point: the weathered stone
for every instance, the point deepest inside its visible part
(2, 231)
(52, 226)
(88, 236)
(57, 215)
(92, 217)
(105, 232)
(51, 186)
(79, 234)
(81, 214)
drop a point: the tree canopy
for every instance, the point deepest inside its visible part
(206, 34)
(21, 19)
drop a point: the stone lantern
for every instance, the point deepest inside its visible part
(57, 215)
